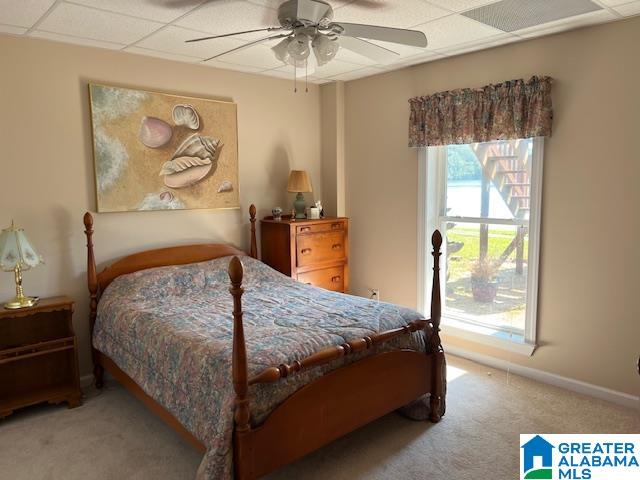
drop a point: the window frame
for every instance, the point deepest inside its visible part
(431, 205)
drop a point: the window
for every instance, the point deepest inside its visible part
(485, 199)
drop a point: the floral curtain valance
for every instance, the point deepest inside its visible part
(509, 110)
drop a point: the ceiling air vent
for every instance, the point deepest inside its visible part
(512, 15)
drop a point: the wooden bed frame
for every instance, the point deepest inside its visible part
(322, 411)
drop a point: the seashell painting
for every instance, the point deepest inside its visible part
(225, 186)
(154, 132)
(186, 115)
(155, 151)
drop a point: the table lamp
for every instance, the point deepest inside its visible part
(16, 255)
(298, 183)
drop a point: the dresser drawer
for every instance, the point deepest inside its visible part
(320, 227)
(331, 278)
(320, 248)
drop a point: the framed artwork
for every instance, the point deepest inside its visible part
(155, 151)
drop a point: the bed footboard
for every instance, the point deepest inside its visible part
(340, 401)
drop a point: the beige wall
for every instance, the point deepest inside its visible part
(332, 147)
(47, 165)
(589, 304)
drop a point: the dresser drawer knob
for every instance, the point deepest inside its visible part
(305, 251)
(335, 279)
(305, 229)
(336, 246)
(335, 226)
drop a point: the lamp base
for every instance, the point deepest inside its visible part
(299, 206)
(24, 302)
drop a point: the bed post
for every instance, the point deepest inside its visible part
(434, 346)
(92, 283)
(242, 450)
(254, 247)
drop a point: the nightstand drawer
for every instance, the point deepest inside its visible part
(320, 248)
(330, 278)
(320, 227)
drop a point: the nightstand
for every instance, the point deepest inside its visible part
(310, 251)
(38, 356)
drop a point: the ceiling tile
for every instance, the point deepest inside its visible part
(353, 57)
(230, 66)
(628, 9)
(491, 42)
(56, 37)
(612, 3)
(278, 73)
(230, 16)
(276, 3)
(414, 60)
(361, 73)
(167, 56)
(257, 56)
(23, 13)
(79, 21)
(454, 30)
(158, 10)
(334, 67)
(172, 40)
(403, 50)
(461, 5)
(12, 30)
(566, 24)
(390, 14)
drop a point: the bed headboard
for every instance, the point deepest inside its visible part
(160, 257)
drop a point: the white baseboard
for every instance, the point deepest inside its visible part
(584, 388)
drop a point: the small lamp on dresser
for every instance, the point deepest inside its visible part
(17, 255)
(298, 183)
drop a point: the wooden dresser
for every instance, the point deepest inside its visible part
(38, 356)
(310, 251)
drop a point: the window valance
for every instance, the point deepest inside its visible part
(504, 111)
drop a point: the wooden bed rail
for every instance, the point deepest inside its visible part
(241, 380)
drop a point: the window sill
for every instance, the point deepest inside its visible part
(487, 336)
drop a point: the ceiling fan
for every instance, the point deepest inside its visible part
(310, 37)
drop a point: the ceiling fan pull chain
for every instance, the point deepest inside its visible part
(295, 80)
(306, 76)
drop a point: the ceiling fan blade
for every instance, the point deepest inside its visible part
(270, 29)
(414, 38)
(312, 10)
(367, 49)
(247, 45)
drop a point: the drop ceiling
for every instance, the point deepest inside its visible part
(158, 28)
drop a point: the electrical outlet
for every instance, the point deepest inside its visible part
(374, 294)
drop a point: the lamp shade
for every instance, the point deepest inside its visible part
(16, 250)
(299, 181)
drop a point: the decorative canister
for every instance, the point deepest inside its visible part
(314, 213)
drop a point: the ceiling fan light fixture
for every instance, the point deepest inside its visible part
(281, 50)
(298, 47)
(325, 48)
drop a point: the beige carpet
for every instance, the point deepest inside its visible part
(112, 436)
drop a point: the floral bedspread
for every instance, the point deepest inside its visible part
(171, 329)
